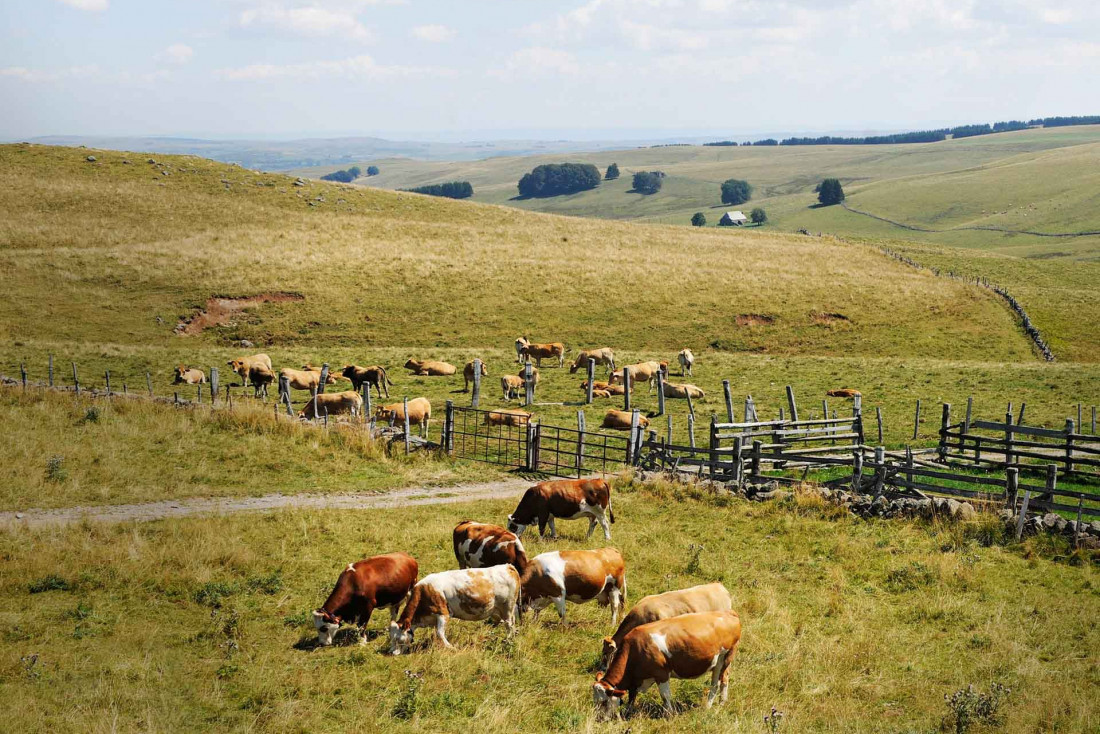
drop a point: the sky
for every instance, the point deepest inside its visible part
(581, 70)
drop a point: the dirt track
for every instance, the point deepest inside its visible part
(409, 497)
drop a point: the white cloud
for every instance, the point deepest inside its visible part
(93, 5)
(177, 53)
(355, 67)
(49, 75)
(433, 33)
(312, 20)
(538, 61)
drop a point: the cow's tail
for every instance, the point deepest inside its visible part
(386, 377)
(610, 512)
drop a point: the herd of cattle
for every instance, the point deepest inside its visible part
(678, 634)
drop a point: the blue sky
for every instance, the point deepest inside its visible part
(517, 68)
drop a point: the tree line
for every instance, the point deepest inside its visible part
(553, 179)
(449, 190)
(348, 175)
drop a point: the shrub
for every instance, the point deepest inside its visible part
(372, 170)
(698, 219)
(553, 179)
(612, 172)
(55, 469)
(450, 190)
(53, 582)
(967, 707)
(758, 215)
(830, 192)
(735, 191)
(647, 182)
(345, 176)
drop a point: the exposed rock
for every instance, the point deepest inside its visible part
(246, 344)
(90, 159)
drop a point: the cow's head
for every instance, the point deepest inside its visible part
(609, 648)
(515, 527)
(606, 698)
(236, 365)
(348, 371)
(412, 364)
(326, 624)
(179, 374)
(401, 640)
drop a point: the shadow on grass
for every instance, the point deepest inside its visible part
(345, 637)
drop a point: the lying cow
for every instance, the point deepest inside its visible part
(306, 379)
(686, 360)
(578, 576)
(620, 420)
(674, 390)
(473, 595)
(479, 545)
(508, 417)
(374, 376)
(332, 403)
(706, 598)
(189, 376)
(604, 356)
(420, 413)
(539, 352)
(380, 581)
(596, 393)
(430, 368)
(844, 392)
(641, 372)
(468, 374)
(243, 365)
(568, 499)
(687, 646)
(606, 387)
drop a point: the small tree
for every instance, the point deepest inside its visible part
(355, 172)
(735, 191)
(758, 216)
(830, 192)
(647, 182)
(698, 219)
(612, 172)
(372, 170)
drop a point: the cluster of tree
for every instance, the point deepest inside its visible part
(735, 191)
(733, 144)
(612, 172)
(552, 179)
(648, 182)
(450, 190)
(722, 143)
(766, 141)
(345, 176)
(830, 192)
(921, 136)
(1064, 121)
(1003, 127)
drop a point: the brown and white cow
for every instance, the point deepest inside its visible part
(641, 372)
(686, 646)
(568, 499)
(686, 360)
(511, 385)
(430, 368)
(420, 413)
(620, 420)
(683, 390)
(379, 581)
(473, 595)
(332, 403)
(189, 376)
(242, 365)
(374, 376)
(307, 378)
(468, 374)
(603, 355)
(513, 417)
(844, 392)
(577, 576)
(480, 545)
(539, 352)
(705, 598)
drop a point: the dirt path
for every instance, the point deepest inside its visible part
(409, 497)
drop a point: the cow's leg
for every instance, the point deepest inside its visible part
(724, 680)
(553, 528)
(364, 620)
(591, 526)
(441, 630)
(666, 696)
(559, 602)
(716, 678)
(616, 605)
(394, 611)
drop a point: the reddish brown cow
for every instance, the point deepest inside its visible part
(844, 392)
(480, 545)
(380, 581)
(568, 499)
(539, 352)
(578, 576)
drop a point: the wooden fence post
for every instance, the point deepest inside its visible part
(1080, 423)
(1070, 430)
(149, 383)
(909, 466)
(1020, 420)
(314, 392)
(738, 458)
(729, 400)
(969, 411)
(198, 394)
(916, 421)
(691, 429)
(824, 414)
(857, 471)
(945, 421)
(756, 448)
(405, 403)
(51, 385)
(1009, 461)
(23, 374)
(528, 383)
(878, 416)
(321, 380)
(1051, 483)
(660, 392)
(366, 402)
(214, 386)
(476, 397)
(713, 446)
(669, 416)
(791, 403)
(229, 400)
(76, 382)
(447, 441)
(1012, 487)
(857, 414)
(691, 405)
(591, 371)
(626, 388)
(880, 470)
(580, 443)
(1094, 420)
(1023, 515)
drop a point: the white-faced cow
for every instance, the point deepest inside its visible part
(686, 360)
(576, 576)
(706, 598)
(480, 545)
(569, 499)
(687, 646)
(380, 581)
(474, 595)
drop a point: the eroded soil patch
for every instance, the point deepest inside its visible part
(829, 318)
(220, 310)
(754, 319)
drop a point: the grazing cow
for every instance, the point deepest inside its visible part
(508, 417)
(243, 365)
(606, 387)
(333, 403)
(305, 379)
(686, 360)
(686, 646)
(430, 368)
(259, 377)
(603, 355)
(673, 390)
(539, 352)
(374, 376)
(706, 598)
(844, 392)
(420, 413)
(578, 576)
(569, 499)
(473, 595)
(380, 581)
(620, 420)
(479, 545)
(511, 385)
(468, 374)
(189, 375)
(641, 372)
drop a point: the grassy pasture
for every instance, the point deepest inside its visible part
(850, 626)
